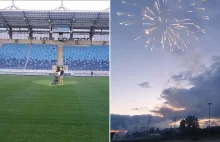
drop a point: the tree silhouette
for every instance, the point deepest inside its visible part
(189, 122)
(152, 131)
(157, 131)
(182, 124)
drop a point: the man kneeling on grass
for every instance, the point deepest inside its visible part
(56, 78)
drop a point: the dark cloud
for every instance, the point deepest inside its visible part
(216, 58)
(179, 77)
(168, 113)
(145, 85)
(206, 88)
(140, 108)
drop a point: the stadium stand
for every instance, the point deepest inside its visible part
(36, 42)
(42, 57)
(13, 56)
(87, 57)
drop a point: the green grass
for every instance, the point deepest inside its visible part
(32, 110)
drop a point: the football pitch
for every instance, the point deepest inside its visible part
(33, 110)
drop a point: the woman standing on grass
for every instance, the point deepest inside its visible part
(61, 76)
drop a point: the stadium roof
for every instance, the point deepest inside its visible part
(43, 19)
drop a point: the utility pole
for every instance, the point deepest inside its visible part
(209, 118)
(174, 132)
(148, 123)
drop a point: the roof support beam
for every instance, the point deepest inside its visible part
(51, 34)
(71, 27)
(71, 35)
(10, 33)
(97, 19)
(5, 22)
(49, 20)
(26, 20)
(91, 33)
(8, 27)
(71, 31)
(42, 20)
(30, 33)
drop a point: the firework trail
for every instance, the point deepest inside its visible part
(175, 31)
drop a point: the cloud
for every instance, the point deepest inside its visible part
(182, 76)
(216, 58)
(145, 85)
(178, 77)
(181, 101)
(165, 111)
(205, 88)
(140, 108)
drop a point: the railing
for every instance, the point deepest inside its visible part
(50, 72)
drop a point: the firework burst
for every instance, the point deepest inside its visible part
(169, 23)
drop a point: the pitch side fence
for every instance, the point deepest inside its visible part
(50, 72)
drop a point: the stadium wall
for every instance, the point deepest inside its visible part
(59, 43)
(50, 72)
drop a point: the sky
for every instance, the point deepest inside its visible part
(50, 5)
(161, 83)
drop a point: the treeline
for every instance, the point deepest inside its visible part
(189, 128)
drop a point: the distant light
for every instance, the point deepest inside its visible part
(147, 32)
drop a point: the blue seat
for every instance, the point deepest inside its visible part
(94, 58)
(14, 56)
(42, 57)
